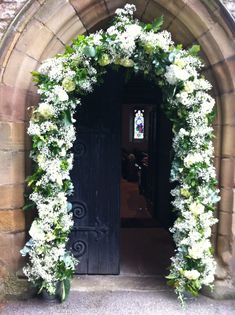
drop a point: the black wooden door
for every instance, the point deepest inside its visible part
(160, 158)
(96, 177)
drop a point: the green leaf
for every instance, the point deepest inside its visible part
(89, 51)
(69, 49)
(64, 289)
(157, 23)
(148, 27)
(194, 50)
(29, 205)
(67, 119)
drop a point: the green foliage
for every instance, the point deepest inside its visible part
(194, 50)
(66, 117)
(89, 51)
(156, 25)
(29, 205)
(63, 290)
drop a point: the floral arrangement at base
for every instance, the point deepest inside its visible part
(142, 48)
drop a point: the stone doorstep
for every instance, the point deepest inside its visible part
(118, 283)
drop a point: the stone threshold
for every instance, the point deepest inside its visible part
(90, 283)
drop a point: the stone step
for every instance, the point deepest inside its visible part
(118, 283)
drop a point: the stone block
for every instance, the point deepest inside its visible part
(226, 201)
(14, 103)
(209, 75)
(225, 223)
(3, 272)
(113, 5)
(218, 112)
(49, 12)
(28, 15)
(227, 173)
(233, 226)
(233, 200)
(154, 10)
(10, 246)
(53, 48)
(226, 41)
(223, 249)
(18, 70)
(12, 220)
(223, 75)
(231, 66)
(70, 30)
(196, 17)
(180, 33)
(217, 140)
(12, 135)
(11, 196)
(33, 45)
(228, 141)
(222, 289)
(90, 12)
(12, 167)
(217, 162)
(211, 48)
(228, 108)
(173, 6)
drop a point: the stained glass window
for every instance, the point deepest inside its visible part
(138, 124)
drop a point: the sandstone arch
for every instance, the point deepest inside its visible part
(41, 29)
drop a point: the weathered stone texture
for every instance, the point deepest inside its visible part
(12, 220)
(8, 10)
(230, 5)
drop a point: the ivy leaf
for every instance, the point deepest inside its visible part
(148, 27)
(157, 23)
(67, 119)
(69, 49)
(89, 51)
(64, 289)
(194, 50)
(29, 205)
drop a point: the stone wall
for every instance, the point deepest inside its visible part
(230, 5)
(189, 21)
(8, 10)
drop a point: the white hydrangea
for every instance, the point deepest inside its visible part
(193, 158)
(196, 208)
(60, 93)
(175, 74)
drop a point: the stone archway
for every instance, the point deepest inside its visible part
(36, 34)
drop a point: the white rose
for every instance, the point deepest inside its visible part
(134, 30)
(189, 86)
(174, 74)
(196, 251)
(62, 95)
(191, 274)
(36, 232)
(196, 208)
(45, 110)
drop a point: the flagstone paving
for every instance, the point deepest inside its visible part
(116, 299)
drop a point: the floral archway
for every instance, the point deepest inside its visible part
(61, 80)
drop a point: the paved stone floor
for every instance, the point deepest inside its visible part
(121, 303)
(140, 289)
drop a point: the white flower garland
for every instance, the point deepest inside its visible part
(60, 80)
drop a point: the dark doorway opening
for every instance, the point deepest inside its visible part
(104, 232)
(145, 206)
